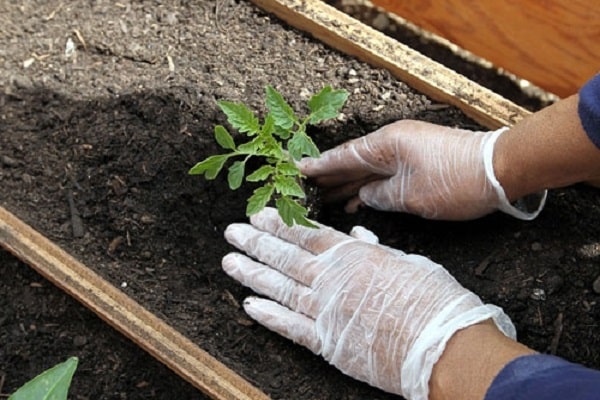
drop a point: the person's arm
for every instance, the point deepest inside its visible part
(547, 150)
(473, 358)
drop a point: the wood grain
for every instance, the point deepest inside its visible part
(352, 37)
(120, 311)
(553, 43)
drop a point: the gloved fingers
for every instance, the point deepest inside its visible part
(371, 153)
(341, 160)
(378, 195)
(350, 178)
(364, 234)
(288, 258)
(345, 190)
(269, 282)
(313, 240)
(295, 326)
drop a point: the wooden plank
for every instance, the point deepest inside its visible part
(123, 313)
(352, 37)
(553, 43)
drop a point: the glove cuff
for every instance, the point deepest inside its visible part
(526, 208)
(431, 343)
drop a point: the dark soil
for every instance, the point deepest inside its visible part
(114, 127)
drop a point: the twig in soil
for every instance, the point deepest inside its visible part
(558, 329)
(540, 316)
(480, 269)
(53, 13)
(2, 379)
(229, 298)
(437, 107)
(240, 338)
(170, 62)
(218, 7)
(80, 38)
(76, 223)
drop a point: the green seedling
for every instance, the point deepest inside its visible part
(52, 384)
(279, 141)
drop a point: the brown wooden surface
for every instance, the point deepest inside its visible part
(352, 37)
(130, 318)
(553, 43)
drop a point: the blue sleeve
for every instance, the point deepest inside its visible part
(544, 377)
(589, 109)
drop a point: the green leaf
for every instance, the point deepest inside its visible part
(224, 138)
(291, 212)
(301, 144)
(272, 149)
(282, 133)
(210, 167)
(282, 112)
(259, 199)
(236, 174)
(288, 186)
(52, 384)
(240, 117)
(252, 147)
(261, 174)
(326, 104)
(286, 168)
(269, 126)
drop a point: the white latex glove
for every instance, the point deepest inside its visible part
(421, 168)
(379, 315)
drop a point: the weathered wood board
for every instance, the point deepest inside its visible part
(554, 44)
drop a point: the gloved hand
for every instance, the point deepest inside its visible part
(378, 314)
(417, 167)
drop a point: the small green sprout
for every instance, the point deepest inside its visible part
(279, 141)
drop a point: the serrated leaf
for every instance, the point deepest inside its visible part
(326, 104)
(210, 167)
(322, 114)
(272, 150)
(268, 127)
(288, 169)
(52, 384)
(236, 174)
(252, 147)
(282, 133)
(301, 144)
(259, 199)
(288, 186)
(291, 212)
(282, 112)
(240, 117)
(261, 174)
(224, 138)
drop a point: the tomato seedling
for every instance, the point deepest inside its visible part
(279, 141)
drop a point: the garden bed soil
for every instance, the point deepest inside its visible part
(104, 134)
